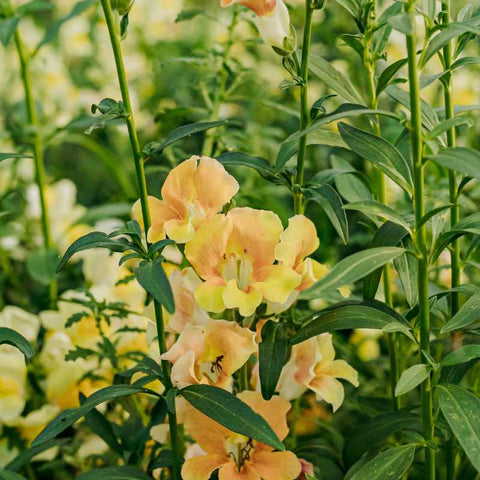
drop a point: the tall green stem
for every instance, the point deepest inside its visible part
(455, 261)
(304, 114)
(142, 188)
(40, 180)
(220, 91)
(369, 63)
(420, 234)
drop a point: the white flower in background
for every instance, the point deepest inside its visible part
(25, 323)
(7, 452)
(33, 423)
(13, 386)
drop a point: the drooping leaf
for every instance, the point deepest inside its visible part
(332, 204)
(152, 277)
(334, 79)
(231, 412)
(353, 268)
(272, 356)
(11, 337)
(27, 454)
(461, 159)
(468, 314)
(349, 315)
(381, 153)
(411, 378)
(88, 241)
(156, 148)
(68, 417)
(462, 355)
(461, 409)
(391, 464)
(370, 435)
(388, 235)
(42, 265)
(5, 156)
(387, 76)
(115, 473)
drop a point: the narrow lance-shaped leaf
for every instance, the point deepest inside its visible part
(115, 473)
(381, 153)
(462, 355)
(229, 411)
(461, 159)
(272, 355)
(461, 409)
(350, 314)
(411, 378)
(468, 314)
(6, 156)
(11, 337)
(151, 276)
(353, 268)
(391, 464)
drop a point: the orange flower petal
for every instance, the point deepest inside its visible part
(260, 7)
(202, 467)
(229, 471)
(329, 389)
(179, 188)
(276, 465)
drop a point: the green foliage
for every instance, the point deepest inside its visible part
(11, 337)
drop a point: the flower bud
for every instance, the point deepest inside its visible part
(122, 6)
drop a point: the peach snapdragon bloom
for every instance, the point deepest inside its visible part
(193, 191)
(272, 19)
(312, 366)
(235, 255)
(210, 353)
(235, 456)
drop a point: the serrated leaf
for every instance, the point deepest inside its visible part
(411, 378)
(353, 268)
(272, 356)
(461, 409)
(68, 417)
(11, 337)
(381, 153)
(349, 315)
(468, 314)
(391, 464)
(231, 412)
(151, 276)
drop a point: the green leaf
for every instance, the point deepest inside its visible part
(388, 235)
(109, 210)
(453, 29)
(53, 30)
(285, 153)
(461, 159)
(325, 137)
(353, 188)
(7, 30)
(411, 378)
(242, 159)
(115, 473)
(432, 213)
(377, 209)
(88, 241)
(151, 276)
(380, 152)
(5, 156)
(334, 79)
(42, 265)
(68, 417)
(273, 351)
(332, 204)
(11, 337)
(391, 464)
(461, 409)
(7, 475)
(401, 23)
(370, 435)
(347, 315)
(156, 148)
(352, 6)
(387, 76)
(448, 124)
(407, 269)
(27, 454)
(353, 268)
(468, 314)
(188, 14)
(463, 354)
(230, 412)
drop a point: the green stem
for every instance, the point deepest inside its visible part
(419, 208)
(455, 210)
(142, 188)
(40, 180)
(220, 91)
(304, 114)
(392, 340)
